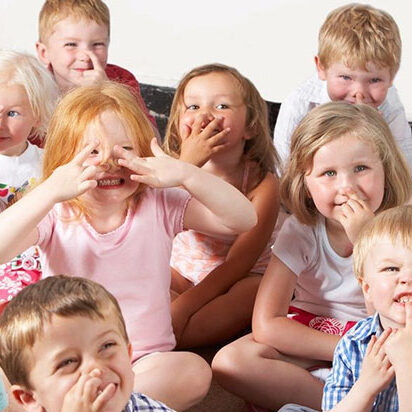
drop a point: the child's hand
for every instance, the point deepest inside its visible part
(159, 171)
(353, 216)
(92, 76)
(204, 139)
(398, 346)
(377, 371)
(73, 178)
(84, 395)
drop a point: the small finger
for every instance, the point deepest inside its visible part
(103, 397)
(83, 154)
(156, 149)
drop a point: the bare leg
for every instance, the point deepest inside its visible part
(179, 283)
(178, 379)
(265, 377)
(223, 317)
(13, 405)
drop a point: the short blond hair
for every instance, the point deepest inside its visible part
(394, 224)
(259, 148)
(330, 122)
(22, 69)
(24, 318)
(358, 34)
(54, 11)
(81, 107)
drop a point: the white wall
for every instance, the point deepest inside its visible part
(270, 41)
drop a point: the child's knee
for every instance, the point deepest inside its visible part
(228, 361)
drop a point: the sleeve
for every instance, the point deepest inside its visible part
(296, 245)
(394, 113)
(291, 112)
(341, 379)
(45, 229)
(174, 202)
(123, 76)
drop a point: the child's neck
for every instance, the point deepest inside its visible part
(338, 238)
(106, 218)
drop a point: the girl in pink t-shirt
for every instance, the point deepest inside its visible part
(94, 215)
(219, 122)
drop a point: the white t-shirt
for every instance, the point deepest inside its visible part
(313, 92)
(16, 170)
(326, 284)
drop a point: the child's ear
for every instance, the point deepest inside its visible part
(130, 350)
(26, 398)
(42, 54)
(365, 289)
(321, 70)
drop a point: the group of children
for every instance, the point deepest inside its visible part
(144, 249)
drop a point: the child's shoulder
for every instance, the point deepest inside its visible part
(363, 329)
(118, 73)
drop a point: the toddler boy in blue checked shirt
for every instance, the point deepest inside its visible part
(64, 348)
(366, 372)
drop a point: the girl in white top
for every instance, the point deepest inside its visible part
(344, 167)
(94, 216)
(27, 98)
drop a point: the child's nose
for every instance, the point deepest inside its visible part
(359, 89)
(406, 275)
(82, 55)
(346, 184)
(109, 164)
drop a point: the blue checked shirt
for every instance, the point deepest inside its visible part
(347, 363)
(140, 402)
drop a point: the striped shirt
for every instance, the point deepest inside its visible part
(140, 402)
(347, 363)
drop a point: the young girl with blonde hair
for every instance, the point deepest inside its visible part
(96, 216)
(28, 96)
(344, 167)
(219, 122)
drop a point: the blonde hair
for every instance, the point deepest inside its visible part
(24, 318)
(358, 34)
(80, 108)
(54, 11)
(329, 122)
(259, 148)
(25, 70)
(394, 224)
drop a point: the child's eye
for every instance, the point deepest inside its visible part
(94, 152)
(344, 77)
(222, 106)
(390, 269)
(108, 345)
(129, 148)
(375, 80)
(66, 362)
(329, 173)
(192, 107)
(70, 44)
(12, 113)
(99, 44)
(360, 168)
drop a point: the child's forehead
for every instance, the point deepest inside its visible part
(67, 25)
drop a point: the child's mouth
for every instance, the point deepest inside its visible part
(108, 183)
(404, 299)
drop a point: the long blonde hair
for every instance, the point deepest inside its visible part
(329, 122)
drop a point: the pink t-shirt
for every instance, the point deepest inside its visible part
(132, 262)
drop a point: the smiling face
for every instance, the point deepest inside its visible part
(387, 282)
(345, 166)
(67, 50)
(16, 120)
(356, 85)
(72, 347)
(113, 181)
(213, 95)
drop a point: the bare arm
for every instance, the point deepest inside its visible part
(217, 208)
(18, 223)
(271, 326)
(242, 255)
